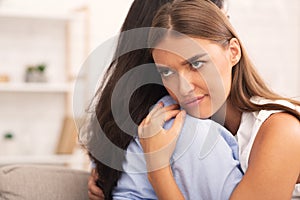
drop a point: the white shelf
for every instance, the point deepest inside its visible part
(59, 28)
(36, 159)
(34, 15)
(35, 87)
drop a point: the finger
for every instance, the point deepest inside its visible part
(178, 122)
(156, 107)
(166, 109)
(95, 190)
(167, 116)
(91, 182)
(94, 197)
(143, 122)
(171, 107)
(140, 128)
(94, 174)
(150, 131)
(157, 122)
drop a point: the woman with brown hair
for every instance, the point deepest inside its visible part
(205, 68)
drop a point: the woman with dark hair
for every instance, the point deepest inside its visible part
(140, 15)
(205, 68)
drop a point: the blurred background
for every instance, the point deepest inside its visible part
(44, 44)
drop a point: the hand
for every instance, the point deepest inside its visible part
(94, 192)
(159, 144)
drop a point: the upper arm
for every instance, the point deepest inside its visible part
(133, 183)
(274, 163)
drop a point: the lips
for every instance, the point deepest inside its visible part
(193, 101)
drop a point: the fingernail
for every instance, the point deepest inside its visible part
(155, 105)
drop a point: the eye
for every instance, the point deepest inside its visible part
(197, 64)
(166, 72)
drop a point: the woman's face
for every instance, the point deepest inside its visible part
(196, 73)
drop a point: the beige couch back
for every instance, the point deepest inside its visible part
(37, 182)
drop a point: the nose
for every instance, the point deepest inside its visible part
(186, 87)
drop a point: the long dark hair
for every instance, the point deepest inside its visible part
(102, 124)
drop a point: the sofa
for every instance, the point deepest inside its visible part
(40, 182)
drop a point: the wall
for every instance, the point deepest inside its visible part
(105, 22)
(106, 19)
(270, 29)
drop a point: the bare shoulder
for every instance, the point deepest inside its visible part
(277, 145)
(281, 125)
(274, 162)
(281, 131)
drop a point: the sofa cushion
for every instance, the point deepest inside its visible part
(30, 182)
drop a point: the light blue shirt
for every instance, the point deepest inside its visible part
(205, 163)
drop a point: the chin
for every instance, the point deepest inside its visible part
(199, 114)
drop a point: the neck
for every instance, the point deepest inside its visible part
(229, 117)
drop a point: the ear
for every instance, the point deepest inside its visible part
(234, 51)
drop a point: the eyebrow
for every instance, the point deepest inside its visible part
(161, 67)
(193, 58)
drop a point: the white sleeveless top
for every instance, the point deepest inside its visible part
(249, 126)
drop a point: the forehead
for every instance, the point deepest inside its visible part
(183, 47)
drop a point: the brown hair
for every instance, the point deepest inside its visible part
(202, 19)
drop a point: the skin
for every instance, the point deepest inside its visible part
(94, 192)
(274, 164)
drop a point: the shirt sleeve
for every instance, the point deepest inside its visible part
(133, 183)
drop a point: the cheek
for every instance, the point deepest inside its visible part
(224, 68)
(221, 61)
(224, 71)
(217, 75)
(171, 88)
(173, 96)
